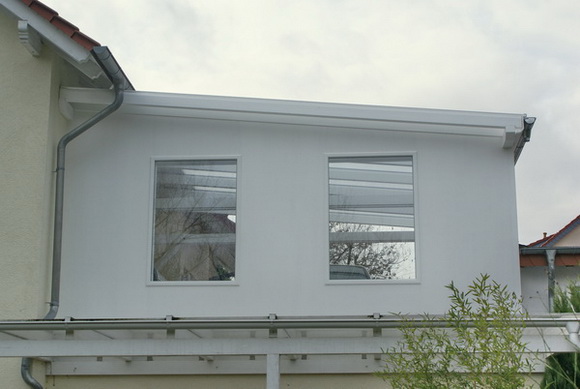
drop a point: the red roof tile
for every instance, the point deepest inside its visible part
(63, 25)
(550, 240)
(537, 242)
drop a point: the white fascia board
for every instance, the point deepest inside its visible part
(74, 53)
(366, 117)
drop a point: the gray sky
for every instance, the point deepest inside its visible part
(517, 56)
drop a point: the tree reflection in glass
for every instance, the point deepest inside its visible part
(195, 220)
(372, 222)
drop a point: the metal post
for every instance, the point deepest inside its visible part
(273, 371)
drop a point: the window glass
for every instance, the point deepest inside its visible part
(371, 221)
(195, 220)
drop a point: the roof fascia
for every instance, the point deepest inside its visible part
(572, 250)
(71, 51)
(451, 122)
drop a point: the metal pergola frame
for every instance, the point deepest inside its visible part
(269, 345)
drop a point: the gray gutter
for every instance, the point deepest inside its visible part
(542, 250)
(524, 137)
(120, 82)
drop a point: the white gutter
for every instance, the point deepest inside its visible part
(507, 128)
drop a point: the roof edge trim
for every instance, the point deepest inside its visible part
(370, 117)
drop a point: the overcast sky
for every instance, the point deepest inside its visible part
(516, 56)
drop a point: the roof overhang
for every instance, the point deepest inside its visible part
(507, 128)
(536, 256)
(34, 31)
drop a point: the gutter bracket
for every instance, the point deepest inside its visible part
(510, 136)
(65, 107)
(29, 38)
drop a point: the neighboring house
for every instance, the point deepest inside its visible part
(551, 262)
(192, 235)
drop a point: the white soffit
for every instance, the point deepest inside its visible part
(366, 117)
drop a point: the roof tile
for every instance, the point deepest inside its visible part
(550, 240)
(62, 24)
(44, 11)
(84, 40)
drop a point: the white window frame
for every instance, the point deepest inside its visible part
(151, 219)
(417, 249)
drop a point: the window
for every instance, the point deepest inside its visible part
(371, 220)
(195, 220)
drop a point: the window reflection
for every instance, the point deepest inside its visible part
(372, 223)
(195, 208)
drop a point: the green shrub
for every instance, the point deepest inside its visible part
(563, 370)
(479, 346)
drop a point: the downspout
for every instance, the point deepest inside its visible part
(112, 70)
(551, 260)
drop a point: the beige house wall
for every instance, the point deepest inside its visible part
(570, 240)
(319, 381)
(302, 381)
(29, 119)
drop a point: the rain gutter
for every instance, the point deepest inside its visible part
(115, 74)
(524, 137)
(572, 250)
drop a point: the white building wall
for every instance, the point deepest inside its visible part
(535, 289)
(465, 220)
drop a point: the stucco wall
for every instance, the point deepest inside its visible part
(24, 137)
(345, 381)
(350, 381)
(28, 121)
